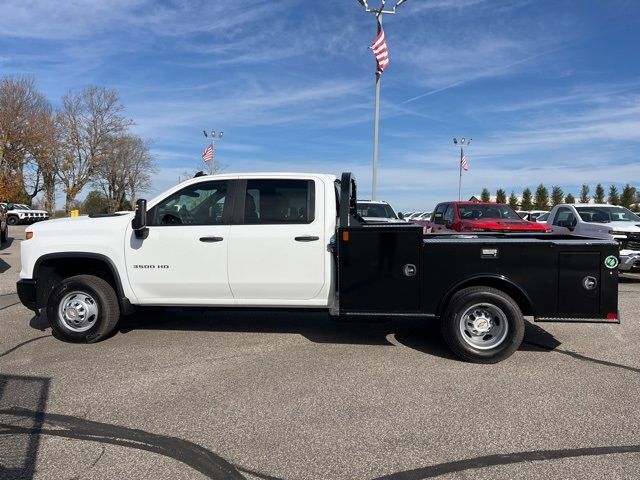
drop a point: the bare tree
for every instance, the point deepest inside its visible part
(125, 167)
(27, 138)
(88, 122)
(141, 168)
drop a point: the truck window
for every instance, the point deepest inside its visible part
(564, 218)
(440, 210)
(448, 214)
(199, 204)
(279, 201)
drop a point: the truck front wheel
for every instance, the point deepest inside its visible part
(83, 308)
(483, 325)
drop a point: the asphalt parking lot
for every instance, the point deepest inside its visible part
(186, 395)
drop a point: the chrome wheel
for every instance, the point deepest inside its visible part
(484, 326)
(78, 311)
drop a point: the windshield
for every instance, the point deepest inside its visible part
(607, 214)
(380, 210)
(476, 212)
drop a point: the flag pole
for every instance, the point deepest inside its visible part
(460, 180)
(376, 124)
(376, 127)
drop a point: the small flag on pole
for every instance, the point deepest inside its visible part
(463, 162)
(207, 155)
(379, 49)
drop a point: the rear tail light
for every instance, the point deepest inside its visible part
(612, 316)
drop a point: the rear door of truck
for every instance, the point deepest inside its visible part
(277, 243)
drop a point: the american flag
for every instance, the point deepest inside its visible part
(379, 49)
(207, 155)
(463, 162)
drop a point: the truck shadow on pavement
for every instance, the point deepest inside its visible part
(418, 334)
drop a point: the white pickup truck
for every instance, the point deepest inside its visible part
(296, 240)
(601, 221)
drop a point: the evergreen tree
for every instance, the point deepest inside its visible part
(614, 197)
(557, 195)
(526, 200)
(569, 199)
(513, 200)
(628, 195)
(599, 196)
(541, 200)
(95, 203)
(584, 193)
(501, 196)
(485, 196)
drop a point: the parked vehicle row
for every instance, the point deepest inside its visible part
(20, 213)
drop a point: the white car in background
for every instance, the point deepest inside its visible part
(601, 221)
(377, 211)
(20, 213)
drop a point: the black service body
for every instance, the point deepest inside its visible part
(394, 269)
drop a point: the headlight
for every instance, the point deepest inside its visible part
(618, 234)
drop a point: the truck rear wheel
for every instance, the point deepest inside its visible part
(83, 308)
(12, 220)
(483, 325)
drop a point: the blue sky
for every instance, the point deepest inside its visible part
(549, 90)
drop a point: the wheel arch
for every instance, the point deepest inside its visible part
(53, 267)
(498, 282)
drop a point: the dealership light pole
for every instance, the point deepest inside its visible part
(214, 137)
(463, 161)
(378, 12)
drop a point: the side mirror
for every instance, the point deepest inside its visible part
(401, 216)
(139, 222)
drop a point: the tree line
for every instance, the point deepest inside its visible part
(86, 142)
(543, 200)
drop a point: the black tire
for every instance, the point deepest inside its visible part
(4, 234)
(12, 220)
(457, 333)
(102, 296)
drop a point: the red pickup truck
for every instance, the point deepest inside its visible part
(479, 217)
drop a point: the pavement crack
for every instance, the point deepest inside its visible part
(13, 349)
(579, 356)
(99, 456)
(66, 426)
(437, 470)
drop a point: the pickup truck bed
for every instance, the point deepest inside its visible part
(394, 268)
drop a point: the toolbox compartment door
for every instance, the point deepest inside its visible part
(379, 269)
(579, 284)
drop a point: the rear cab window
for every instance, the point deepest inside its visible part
(275, 201)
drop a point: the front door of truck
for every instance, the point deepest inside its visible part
(184, 258)
(277, 252)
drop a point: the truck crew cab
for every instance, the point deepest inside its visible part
(295, 240)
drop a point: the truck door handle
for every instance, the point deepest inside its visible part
(211, 239)
(307, 239)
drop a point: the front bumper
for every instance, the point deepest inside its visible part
(28, 293)
(629, 261)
